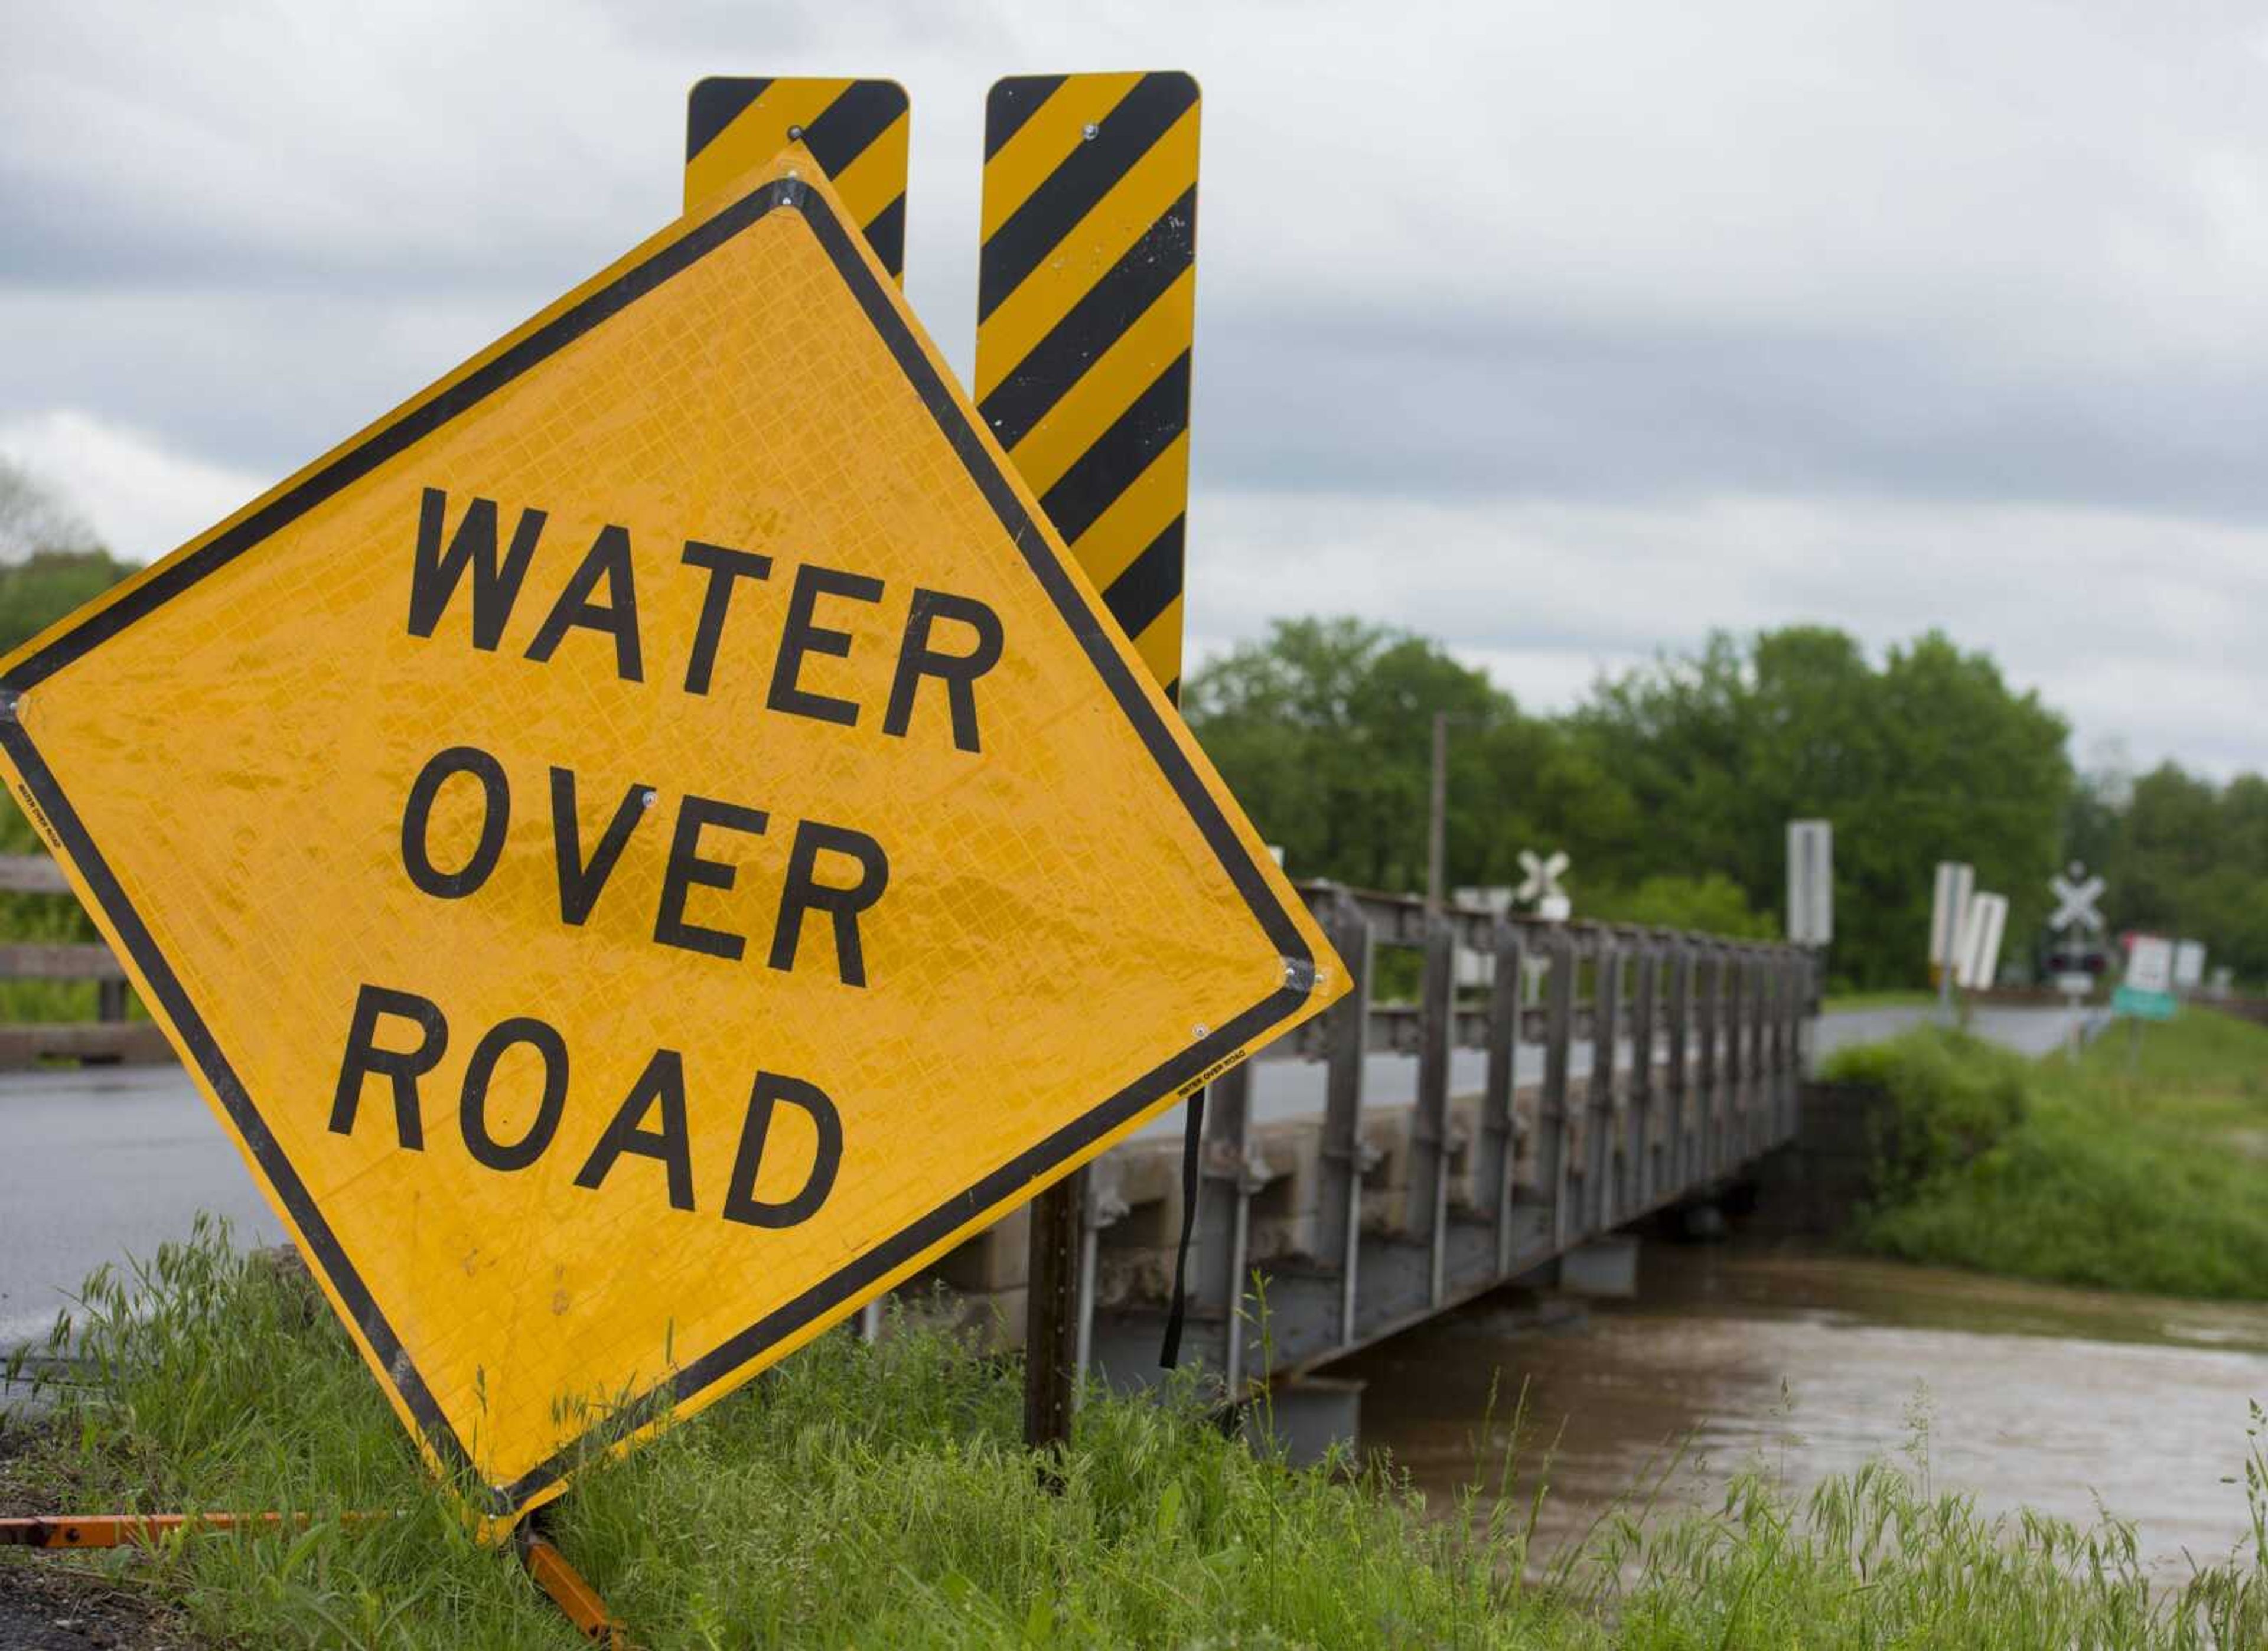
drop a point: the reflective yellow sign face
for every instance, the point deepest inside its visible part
(652, 842)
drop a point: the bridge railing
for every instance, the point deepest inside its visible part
(1623, 1069)
(110, 1037)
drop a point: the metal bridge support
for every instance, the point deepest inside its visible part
(1426, 1221)
(1677, 989)
(1343, 1161)
(1600, 1204)
(1555, 1122)
(1644, 1182)
(1497, 1153)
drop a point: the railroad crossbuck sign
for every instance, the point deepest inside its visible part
(1542, 881)
(2076, 894)
(651, 841)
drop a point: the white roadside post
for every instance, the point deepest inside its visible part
(1948, 909)
(1811, 909)
(1979, 948)
(1810, 882)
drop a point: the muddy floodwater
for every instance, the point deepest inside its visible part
(2034, 1396)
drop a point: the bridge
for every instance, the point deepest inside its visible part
(1552, 1084)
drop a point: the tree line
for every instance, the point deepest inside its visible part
(1670, 788)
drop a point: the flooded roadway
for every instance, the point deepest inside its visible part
(2035, 1396)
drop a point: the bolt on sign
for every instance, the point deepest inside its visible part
(1086, 311)
(858, 131)
(651, 841)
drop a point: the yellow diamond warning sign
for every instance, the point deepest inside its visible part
(651, 841)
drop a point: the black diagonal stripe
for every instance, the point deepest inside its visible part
(1121, 453)
(1011, 103)
(1173, 692)
(714, 105)
(1114, 303)
(840, 133)
(1121, 137)
(886, 233)
(1150, 584)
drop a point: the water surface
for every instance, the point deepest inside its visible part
(2031, 1395)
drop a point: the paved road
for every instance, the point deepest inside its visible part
(103, 1163)
(99, 1164)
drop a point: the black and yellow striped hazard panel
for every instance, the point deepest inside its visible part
(856, 129)
(1084, 309)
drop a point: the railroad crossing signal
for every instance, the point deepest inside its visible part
(1541, 883)
(637, 886)
(2076, 894)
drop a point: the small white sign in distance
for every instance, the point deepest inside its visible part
(1541, 883)
(1979, 948)
(1948, 906)
(2188, 965)
(1811, 882)
(2076, 894)
(2150, 965)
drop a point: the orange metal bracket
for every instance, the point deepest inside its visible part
(570, 1593)
(120, 1530)
(545, 1563)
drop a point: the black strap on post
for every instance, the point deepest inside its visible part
(1192, 1153)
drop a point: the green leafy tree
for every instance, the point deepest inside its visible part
(1710, 904)
(2184, 857)
(49, 564)
(1324, 730)
(1931, 756)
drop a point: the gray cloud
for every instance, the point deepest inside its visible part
(1791, 310)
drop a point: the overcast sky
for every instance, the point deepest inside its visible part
(1564, 332)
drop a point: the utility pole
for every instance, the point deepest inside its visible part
(1436, 837)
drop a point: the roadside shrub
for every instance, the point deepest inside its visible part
(1951, 1097)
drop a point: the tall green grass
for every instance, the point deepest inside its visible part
(2146, 1174)
(879, 1496)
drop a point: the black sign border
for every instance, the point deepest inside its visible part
(393, 437)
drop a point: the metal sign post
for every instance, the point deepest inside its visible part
(1086, 314)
